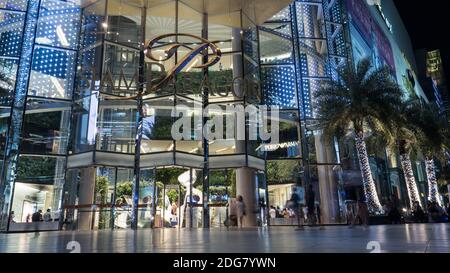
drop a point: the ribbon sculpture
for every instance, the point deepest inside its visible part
(199, 48)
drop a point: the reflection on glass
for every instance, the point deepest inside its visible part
(52, 73)
(4, 124)
(58, 24)
(308, 21)
(120, 71)
(38, 189)
(157, 126)
(289, 145)
(124, 23)
(84, 128)
(124, 198)
(104, 196)
(279, 86)
(20, 5)
(275, 43)
(11, 33)
(46, 127)
(117, 126)
(8, 72)
(192, 140)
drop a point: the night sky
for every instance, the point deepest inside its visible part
(428, 24)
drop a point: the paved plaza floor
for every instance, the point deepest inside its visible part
(422, 238)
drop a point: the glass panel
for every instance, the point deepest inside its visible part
(189, 21)
(90, 56)
(225, 139)
(192, 141)
(275, 43)
(124, 23)
(42, 169)
(104, 197)
(220, 188)
(283, 15)
(160, 20)
(8, 72)
(250, 36)
(4, 125)
(310, 20)
(319, 150)
(282, 177)
(46, 127)
(191, 81)
(157, 126)
(327, 186)
(117, 126)
(147, 193)
(290, 145)
(38, 192)
(52, 73)
(279, 86)
(225, 82)
(14, 4)
(120, 71)
(11, 33)
(84, 127)
(223, 36)
(313, 57)
(284, 172)
(59, 24)
(124, 199)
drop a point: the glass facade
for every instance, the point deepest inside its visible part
(87, 141)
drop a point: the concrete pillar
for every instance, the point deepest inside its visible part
(246, 186)
(329, 203)
(86, 197)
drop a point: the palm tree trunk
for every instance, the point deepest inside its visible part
(411, 184)
(370, 190)
(433, 192)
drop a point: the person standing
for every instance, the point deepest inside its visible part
(11, 217)
(37, 216)
(362, 213)
(350, 215)
(295, 202)
(272, 212)
(310, 203)
(240, 209)
(48, 216)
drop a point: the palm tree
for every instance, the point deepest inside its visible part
(363, 100)
(405, 140)
(433, 141)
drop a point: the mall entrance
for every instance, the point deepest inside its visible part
(100, 198)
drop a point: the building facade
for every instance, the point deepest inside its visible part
(87, 137)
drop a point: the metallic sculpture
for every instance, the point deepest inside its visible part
(200, 48)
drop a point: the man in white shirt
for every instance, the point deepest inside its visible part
(48, 216)
(272, 212)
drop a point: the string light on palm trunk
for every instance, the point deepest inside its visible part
(411, 184)
(433, 193)
(370, 190)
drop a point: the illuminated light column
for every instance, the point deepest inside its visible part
(411, 184)
(370, 190)
(433, 192)
(12, 145)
